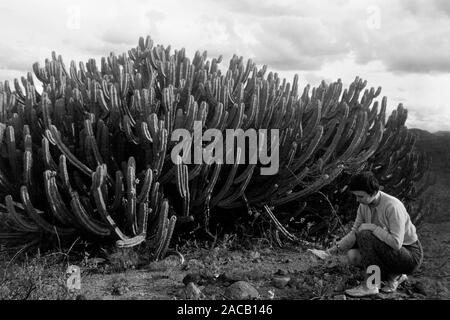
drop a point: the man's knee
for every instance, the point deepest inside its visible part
(364, 234)
(354, 257)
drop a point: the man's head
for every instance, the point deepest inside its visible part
(364, 186)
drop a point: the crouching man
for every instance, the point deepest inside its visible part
(382, 235)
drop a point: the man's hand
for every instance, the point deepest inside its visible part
(324, 255)
(333, 250)
(367, 226)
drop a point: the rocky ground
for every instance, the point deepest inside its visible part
(226, 271)
(262, 273)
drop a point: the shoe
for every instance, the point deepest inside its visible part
(361, 291)
(391, 286)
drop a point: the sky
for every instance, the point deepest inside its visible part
(401, 45)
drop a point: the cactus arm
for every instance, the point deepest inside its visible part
(145, 190)
(313, 122)
(239, 191)
(128, 131)
(314, 187)
(253, 110)
(142, 219)
(20, 223)
(106, 217)
(165, 244)
(48, 159)
(70, 156)
(360, 131)
(131, 194)
(215, 200)
(334, 143)
(161, 226)
(215, 120)
(374, 143)
(38, 220)
(131, 242)
(12, 153)
(28, 160)
(87, 222)
(210, 186)
(312, 147)
(56, 206)
(162, 151)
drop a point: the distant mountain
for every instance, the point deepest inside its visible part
(437, 145)
(442, 133)
(422, 134)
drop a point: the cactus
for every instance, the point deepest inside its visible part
(101, 137)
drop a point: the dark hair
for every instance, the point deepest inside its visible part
(364, 181)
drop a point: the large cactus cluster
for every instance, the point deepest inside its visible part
(90, 155)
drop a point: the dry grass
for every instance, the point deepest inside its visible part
(35, 278)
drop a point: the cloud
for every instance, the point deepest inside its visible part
(16, 59)
(443, 5)
(263, 8)
(430, 8)
(118, 35)
(435, 119)
(416, 43)
(297, 43)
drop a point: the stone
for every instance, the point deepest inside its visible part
(340, 287)
(418, 287)
(191, 278)
(241, 290)
(295, 283)
(281, 272)
(255, 255)
(195, 264)
(340, 297)
(230, 277)
(192, 292)
(280, 282)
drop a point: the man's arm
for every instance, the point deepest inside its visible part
(396, 234)
(349, 240)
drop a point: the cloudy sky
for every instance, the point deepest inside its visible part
(401, 45)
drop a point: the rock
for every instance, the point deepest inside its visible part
(156, 266)
(418, 287)
(254, 255)
(340, 297)
(119, 286)
(94, 262)
(196, 264)
(255, 275)
(442, 290)
(235, 256)
(281, 272)
(192, 292)
(340, 287)
(191, 278)
(295, 283)
(230, 277)
(241, 290)
(280, 282)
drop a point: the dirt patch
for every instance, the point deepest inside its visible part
(276, 273)
(287, 273)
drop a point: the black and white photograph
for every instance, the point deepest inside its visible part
(225, 155)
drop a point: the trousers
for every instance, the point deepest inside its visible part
(391, 261)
